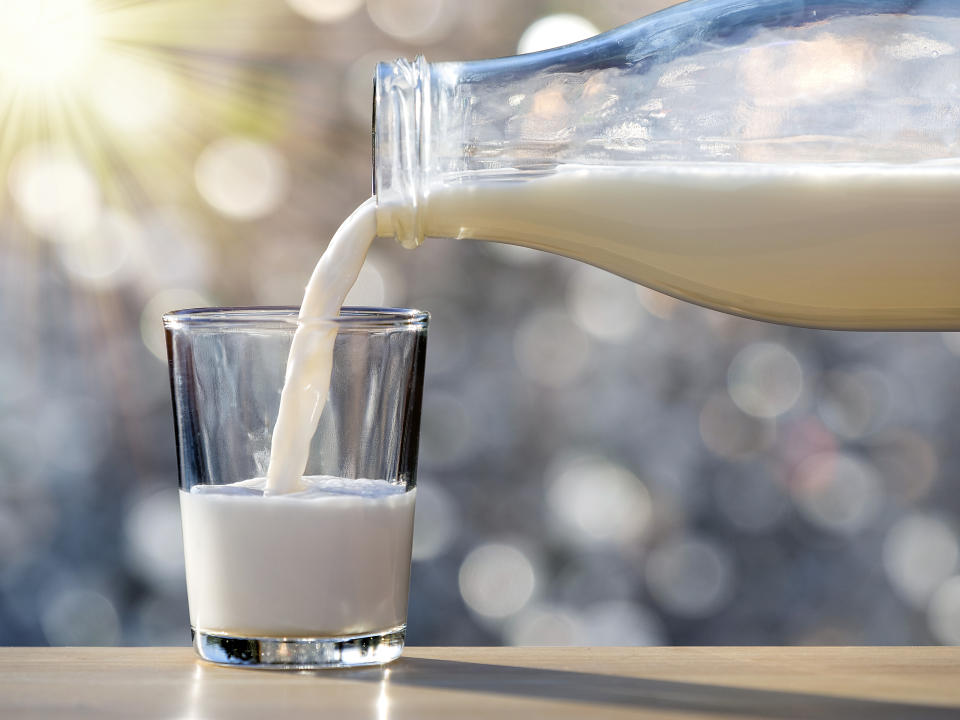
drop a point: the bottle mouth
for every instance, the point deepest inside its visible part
(398, 147)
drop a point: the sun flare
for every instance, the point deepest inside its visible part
(106, 109)
(46, 44)
(106, 104)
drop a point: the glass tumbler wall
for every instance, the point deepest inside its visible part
(318, 577)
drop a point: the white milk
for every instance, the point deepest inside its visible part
(840, 246)
(332, 560)
(310, 361)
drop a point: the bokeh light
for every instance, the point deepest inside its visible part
(555, 30)
(133, 96)
(153, 541)
(837, 492)
(690, 577)
(419, 21)
(436, 523)
(907, 462)
(620, 623)
(325, 11)
(765, 380)
(497, 580)
(952, 341)
(545, 625)
(919, 553)
(56, 194)
(595, 501)
(151, 326)
(101, 257)
(944, 613)
(851, 402)
(242, 178)
(604, 305)
(656, 303)
(76, 615)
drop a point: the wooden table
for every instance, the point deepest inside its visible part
(501, 683)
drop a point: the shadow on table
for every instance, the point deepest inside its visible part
(640, 693)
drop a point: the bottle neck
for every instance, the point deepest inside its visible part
(400, 118)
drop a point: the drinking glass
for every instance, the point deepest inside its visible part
(318, 577)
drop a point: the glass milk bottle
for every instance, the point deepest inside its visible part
(787, 160)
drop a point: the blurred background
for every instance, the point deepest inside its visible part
(600, 464)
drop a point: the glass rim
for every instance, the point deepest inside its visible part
(287, 316)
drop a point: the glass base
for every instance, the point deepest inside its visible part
(300, 653)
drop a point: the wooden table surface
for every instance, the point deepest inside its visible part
(501, 683)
